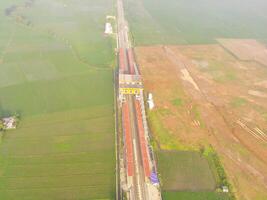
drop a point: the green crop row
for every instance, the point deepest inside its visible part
(220, 174)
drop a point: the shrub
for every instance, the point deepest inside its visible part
(215, 162)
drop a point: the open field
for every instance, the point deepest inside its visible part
(195, 21)
(64, 155)
(185, 170)
(194, 195)
(78, 25)
(56, 73)
(246, 50)
(210, 97)
(187, 175)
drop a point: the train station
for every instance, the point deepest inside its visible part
(129, 85)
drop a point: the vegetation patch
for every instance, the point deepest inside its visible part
(238, 102)
(194, 21)
(224, 77)
(64, 154)
(197, 116)
(218, 170)
(177, 102)
(264, 115)
(162, 136)
(56, 73)
(192, 175)
(204, 195)
(185, 170)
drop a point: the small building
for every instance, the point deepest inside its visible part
(108, 28)
(150, 101)
(151, 104)
(150, 96)
(225, 189)
(154, 178)
(9, 123)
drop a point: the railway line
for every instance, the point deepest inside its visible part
(136, 159)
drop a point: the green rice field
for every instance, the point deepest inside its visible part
(186, 175)
(195, 21)
(57, 75)
(194, 196)
(64, 155)
(185, 170)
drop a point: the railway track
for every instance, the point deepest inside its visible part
(135, 147)
(136, 179)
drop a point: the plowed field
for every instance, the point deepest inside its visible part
(204, 95)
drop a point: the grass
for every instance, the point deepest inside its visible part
(265, 116)
(221, 73)
(186, 175)
(77, 91)
(238, 102)
(226, 77)
(69, 22)
(185, 170)
(195, 22)
(56, 73)
(163, 136)
(177, 102)
(197, 116)
(194, 196)
(218, 170)
(60, 154)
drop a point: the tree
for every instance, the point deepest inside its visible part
(1, 125)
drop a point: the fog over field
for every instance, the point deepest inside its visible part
(56, 75)
(202, 62)
(196, 21)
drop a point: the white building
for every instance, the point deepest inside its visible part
(150, 96)
(151, 104)
(108, 28)
(9, 122)
(150, 101)
(225, 189)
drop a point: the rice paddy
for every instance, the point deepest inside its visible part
(57, 75)
(195, 21)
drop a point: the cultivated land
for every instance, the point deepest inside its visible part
(64, 155)
(185, 171)
(246, 50)
(195, 21)
(210, 90)
(205, 95)
(56, 74)
(194, 195)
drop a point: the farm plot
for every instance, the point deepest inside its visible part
(195, 22)
(220, 100)
(69, 21)
(194, 195)
(79, 91)
(60, 81)
(185, 170)
(246, 50)
(32, 56)
(65, 155)
(187, 175)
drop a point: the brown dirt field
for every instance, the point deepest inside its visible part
(246, 49)
(210, 97)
